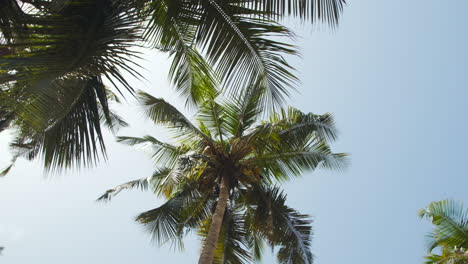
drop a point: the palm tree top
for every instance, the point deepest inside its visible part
(226, 158)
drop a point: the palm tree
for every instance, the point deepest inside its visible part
(221, 177)
(55, 53)
(450, 234)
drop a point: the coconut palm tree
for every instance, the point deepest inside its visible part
(52, 47)
(221, 178)
(450, 234)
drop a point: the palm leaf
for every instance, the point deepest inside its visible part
(451, 223)
(167, 222)
(164, 154)
(143, 184)
(279, 224)
(161, 112)
(328, 11)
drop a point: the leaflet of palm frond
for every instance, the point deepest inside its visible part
(79, 39)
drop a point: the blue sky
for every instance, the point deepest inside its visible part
(393, 74)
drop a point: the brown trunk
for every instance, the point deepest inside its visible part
(208, 251)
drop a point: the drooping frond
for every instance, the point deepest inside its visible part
(49, 51)
(232, 243)
(167, 222)
(280, 225)
(67, 129)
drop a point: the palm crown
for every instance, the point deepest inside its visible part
(450, 233)
(55, 53)
(219, 179)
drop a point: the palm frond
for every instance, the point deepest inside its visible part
(141, 184)
(328, 11)
(172, 32)
(285, 163)
(242, 111)
(66, 126)
(54, 49)
(166, 223)
(450, 222)
(212, 116)
(163, 154)
(279, 224)
(297, 124)
(161, 112)
(232, 243)
(236, 40)
(243, 51)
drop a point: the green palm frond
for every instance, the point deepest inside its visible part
(152, 182)
(450, 222)
(161, 112)
(163, 154)
(242, 111)
(447, 258)
(328, 11)
(50, 51)
(168, 32)
(69, 133)
(141, 184)
(232, 244)
(236, 40)
(243, 51)
(286, 162)
(297, 124)
(167, 222)
(212, 116)
(279, 224)
(60, 43)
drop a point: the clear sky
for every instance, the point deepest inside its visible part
(395, 76)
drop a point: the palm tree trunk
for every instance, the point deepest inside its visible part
(207, 254)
